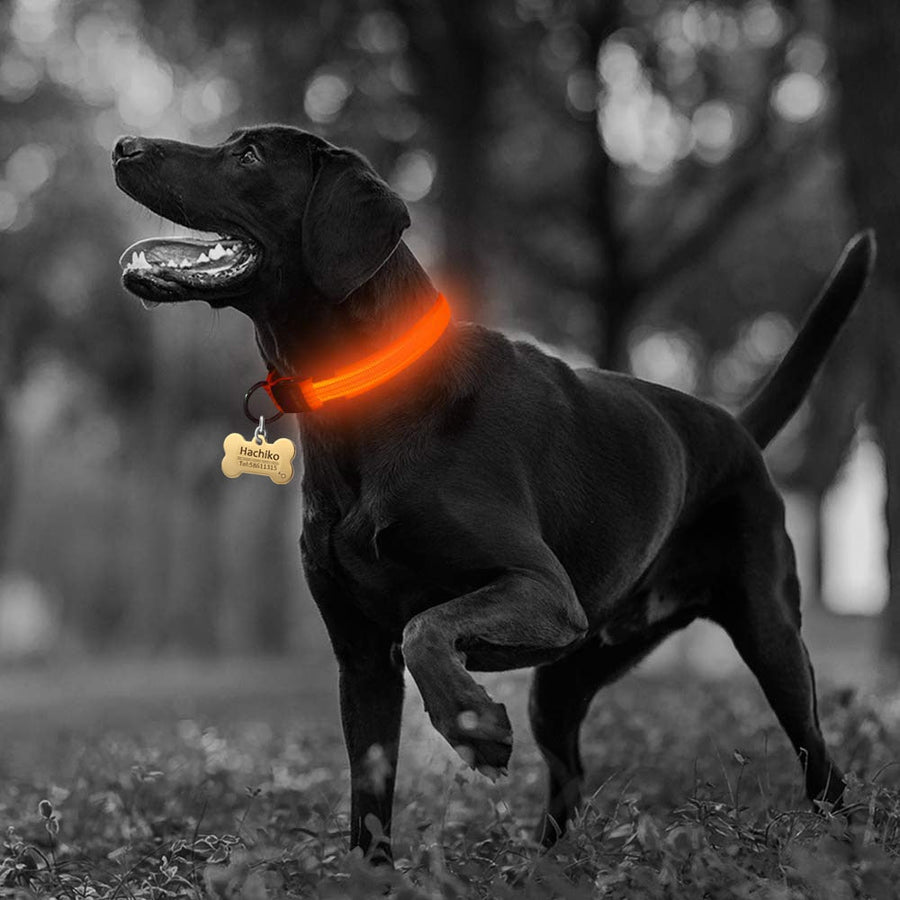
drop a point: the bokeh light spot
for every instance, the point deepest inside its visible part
(146, 91)
(34, 21)
(807, 53)
(413, 175)
(9, 208)
(24, 215)
(855, 577)
(715, 130)
(762, 23)
(618, 65)
(205, 102)
(29, 167)
(28, 622)
(18, 77)
(561, 48)
(640, 127)
(665, 357)
(768, 337)
(581, 91)
(799, 97)
(325, 96)
(381, 32)
(400, 76)
(397, 123)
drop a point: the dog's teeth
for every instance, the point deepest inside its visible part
(217, 252)
(185, 264)
(229, 251)
(138, 261)
(203, 258)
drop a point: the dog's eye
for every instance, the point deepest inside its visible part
(248, 157)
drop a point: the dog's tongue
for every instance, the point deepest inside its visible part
(182, 253)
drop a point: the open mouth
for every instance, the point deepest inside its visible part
(161, 269)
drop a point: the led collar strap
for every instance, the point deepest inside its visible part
(295, 394)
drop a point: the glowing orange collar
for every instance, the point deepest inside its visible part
(297, 394)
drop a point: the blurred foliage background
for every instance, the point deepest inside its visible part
(654, 185)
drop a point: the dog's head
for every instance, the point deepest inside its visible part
(294, 219)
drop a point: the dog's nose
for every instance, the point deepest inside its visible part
(128, 146)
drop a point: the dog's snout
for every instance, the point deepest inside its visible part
(128, 146)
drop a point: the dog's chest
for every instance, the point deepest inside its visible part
(344, 541)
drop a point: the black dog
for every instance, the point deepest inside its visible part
(488, 508)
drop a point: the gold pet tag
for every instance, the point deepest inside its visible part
(258, 457)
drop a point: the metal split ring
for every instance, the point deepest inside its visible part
(262, 419)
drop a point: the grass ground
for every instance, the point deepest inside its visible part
(229, 780)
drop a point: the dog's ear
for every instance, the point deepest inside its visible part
(351, 225)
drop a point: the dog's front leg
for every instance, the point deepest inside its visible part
(371, 695)
(523, 618)
(371, 692)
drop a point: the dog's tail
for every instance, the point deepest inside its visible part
(766, 414)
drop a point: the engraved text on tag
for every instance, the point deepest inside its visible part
(257, 456)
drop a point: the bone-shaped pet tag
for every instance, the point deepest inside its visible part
(257, 456)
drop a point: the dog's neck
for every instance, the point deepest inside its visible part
(311, 337)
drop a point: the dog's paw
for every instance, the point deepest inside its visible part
(483, 739)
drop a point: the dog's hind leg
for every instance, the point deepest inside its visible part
(760, 610)
(561, 693)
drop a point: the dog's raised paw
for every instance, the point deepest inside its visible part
(490, 721)
(483, 739)
(491, 758)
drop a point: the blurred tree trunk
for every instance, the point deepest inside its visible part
(11, 318)
(867, 48)
(814, 596)
(451, 48)
(613, 290)
(6, 473)
(7, 484)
